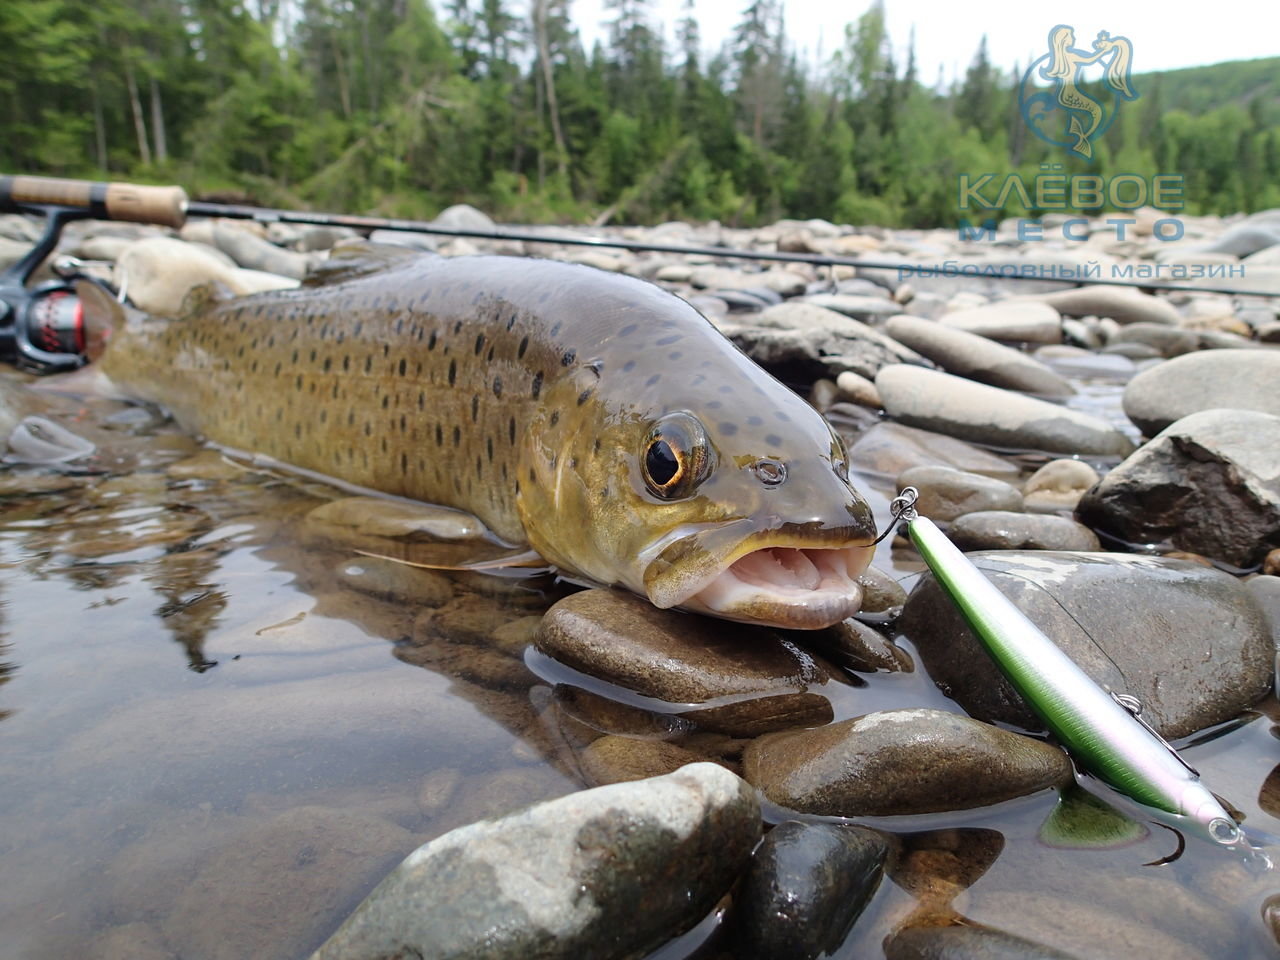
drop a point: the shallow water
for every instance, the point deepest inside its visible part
(214, 740)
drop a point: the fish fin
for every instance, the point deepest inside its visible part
(103, 314)
(358, 258)
(203, 296)
(525, 559)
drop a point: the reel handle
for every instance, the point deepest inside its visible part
(165, 206)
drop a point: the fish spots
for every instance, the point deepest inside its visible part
(453, 372)
(403, 366)
(555, 417)
(457, 436)
(628, 330)
(346, 362)
(713, 404)
(667, 341)
(475, 407)
(368, 364)
(568, 358)
(497, 386)
(479, 343)
(297, 382)
(674, 355)
(524, 345)
(628, 366)
(431, 341)
(773, 440)
(328, 364)
(511, 321)
(489, 447)
(585, 395)
(725, 388)
(754, 421)
(652, 380)
(439, 435)
(728, 429)
(511, 431)
(537, 385)
(782, 416)
(555, 330)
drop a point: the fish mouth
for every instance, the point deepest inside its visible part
(774, 578)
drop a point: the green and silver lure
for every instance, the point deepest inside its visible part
(1104, 732)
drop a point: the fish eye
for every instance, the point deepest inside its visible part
(676, 456)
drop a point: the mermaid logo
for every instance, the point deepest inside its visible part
(1065, 115)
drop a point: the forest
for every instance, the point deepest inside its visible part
(401, 107)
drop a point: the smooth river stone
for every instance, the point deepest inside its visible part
(609, 873)
(900, 762)
(1005, 530)
(977, 358)
(890, 448)
(683, 660)
(1209, 483)
(1059, 484)
(1120, 304)
(982, 414)
(946, 494)
(1188, 641)
(806, 887)
(967, 942)
(1212, 379)
(161, 271)
(1029, 321)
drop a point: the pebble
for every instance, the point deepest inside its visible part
(856, 646)
(854, 388)
(890, 448)
(205, 465)
(982, 414)
(868, 309)
(1238, 379)
(1244, 239)
(684, 659)
(1029, 321)
(946, 493)
(1120, 304)
(1209, 483)
(1002, 530)
(255, 253)
(614, 759)
(463, 216)
(608, 873)
(395, 581)
(1058, 485)
(1165, 340)
(881, 593)
(898, 763)
(1188, 641)
(807, 317)
(977, 358)
(806, 887)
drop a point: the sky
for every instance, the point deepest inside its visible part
(948, 31)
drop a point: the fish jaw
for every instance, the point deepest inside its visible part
(780, 578)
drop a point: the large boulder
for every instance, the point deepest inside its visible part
(1209, 484)
(609, 873)
(1236, 379)
(1188, 641)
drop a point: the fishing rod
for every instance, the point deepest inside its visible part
(170, 206)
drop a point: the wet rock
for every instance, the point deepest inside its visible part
(426, 242)
(315, 238)
(1002, 530)
(1059, 484)
(1165, 340)
(983, 414)
(968, 942)
(856, 646)
(936, 866)
(205, 465)
(395, 581)
(881, 593)
(101, 248)
(1244, 239)
(683, 659)
(613, 759)
(618, 870)
(823, 394)
(378, 517)
(868, 309)
(1187, 641)
(161, 272)
(1209, 483)
(890, 448)
(1026, 320)
(254, 253)
(857, 389)
(796, 241)
(831, 328)
(1087, 365)
(1213, 379)
(900, 762)
(977, 358)
(1120, 304)
(946, 493)
(276, 889)
(437, 790)
(807, 886)
(588, 715)
(463, 216)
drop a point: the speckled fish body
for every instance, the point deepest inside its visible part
(545, 398)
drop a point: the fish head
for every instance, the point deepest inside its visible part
(739, 510)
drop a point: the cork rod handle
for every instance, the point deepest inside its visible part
(166, 206)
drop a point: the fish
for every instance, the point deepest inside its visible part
(593, 418)
(1103, 732)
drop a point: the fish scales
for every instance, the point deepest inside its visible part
(523, 391)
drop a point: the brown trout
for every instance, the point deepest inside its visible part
(594, 417)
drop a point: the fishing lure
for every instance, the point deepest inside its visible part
(1104, 732)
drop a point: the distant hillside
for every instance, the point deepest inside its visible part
(1251, 84)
